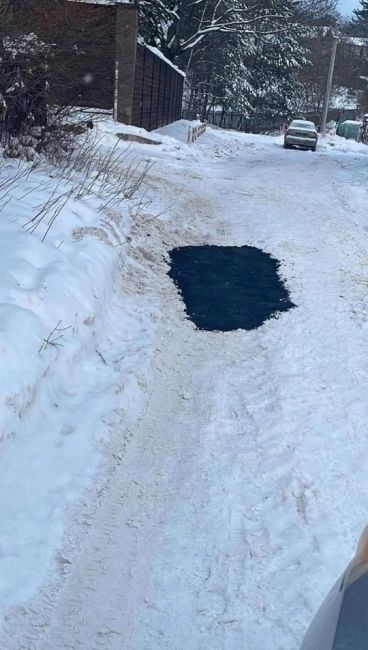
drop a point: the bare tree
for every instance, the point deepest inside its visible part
(318, 12)
(180, 26)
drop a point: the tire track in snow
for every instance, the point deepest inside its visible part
(118, 550)
(221, 518)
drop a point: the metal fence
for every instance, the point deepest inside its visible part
(158, 91)
(237, 121)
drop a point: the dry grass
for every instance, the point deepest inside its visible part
(109, 175)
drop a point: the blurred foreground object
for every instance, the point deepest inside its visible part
(341, 623)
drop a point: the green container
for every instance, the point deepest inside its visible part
(349, 129)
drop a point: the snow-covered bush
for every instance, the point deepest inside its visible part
(23, 91)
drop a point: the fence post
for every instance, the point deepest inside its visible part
(143, 83)
(125, 57)
(173, 107)
(165, 103)
(194, 132)
(153, 58)
(159, 107)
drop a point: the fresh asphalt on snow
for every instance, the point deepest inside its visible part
(244, 486)
(226, 288)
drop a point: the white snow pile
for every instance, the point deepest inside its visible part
(76, 326)
(73, 346)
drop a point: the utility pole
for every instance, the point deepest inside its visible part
(326, 103)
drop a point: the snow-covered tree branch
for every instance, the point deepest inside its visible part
(237, 53)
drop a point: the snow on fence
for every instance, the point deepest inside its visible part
(194, 132)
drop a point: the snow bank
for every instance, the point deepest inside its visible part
(76, 326)
(73, 346)
(333, 143)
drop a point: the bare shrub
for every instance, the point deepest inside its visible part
(40, 44)
(53, 339)
(109, 175)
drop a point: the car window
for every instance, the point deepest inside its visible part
(303, 125)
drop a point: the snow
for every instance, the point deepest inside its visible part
(161, 56)
(343, 98)
(29, 44)
(303, 124)
(58, 400)
(232, 477)
(352, 122)
(355, 40)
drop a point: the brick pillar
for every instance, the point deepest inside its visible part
(126, 51)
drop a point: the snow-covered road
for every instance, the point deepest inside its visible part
(244, 485)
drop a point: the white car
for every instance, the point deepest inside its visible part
(301, 133)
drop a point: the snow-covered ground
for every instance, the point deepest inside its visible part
(74, 342)
(232, 479)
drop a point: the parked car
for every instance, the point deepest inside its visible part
(301, 133)
(349, 129)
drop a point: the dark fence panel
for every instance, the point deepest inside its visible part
(158, 91)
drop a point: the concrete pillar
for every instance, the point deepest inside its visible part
(125, 60)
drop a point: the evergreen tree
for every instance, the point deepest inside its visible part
(218, 76)
(157, 18)
(275, 62)
(179, 26)
(241, 54)
(360, 19)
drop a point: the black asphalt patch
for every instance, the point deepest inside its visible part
(226, 288)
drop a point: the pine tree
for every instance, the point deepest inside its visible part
(157, 18)
(360, 19)
(318, 12)
(218, 76)
(179, 26)
(241, 54)
(276, 61)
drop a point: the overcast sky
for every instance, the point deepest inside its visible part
(347, 6)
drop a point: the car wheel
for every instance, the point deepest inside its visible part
(286, 146)
(314, 149)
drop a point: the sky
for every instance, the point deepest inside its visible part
(347, 6)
